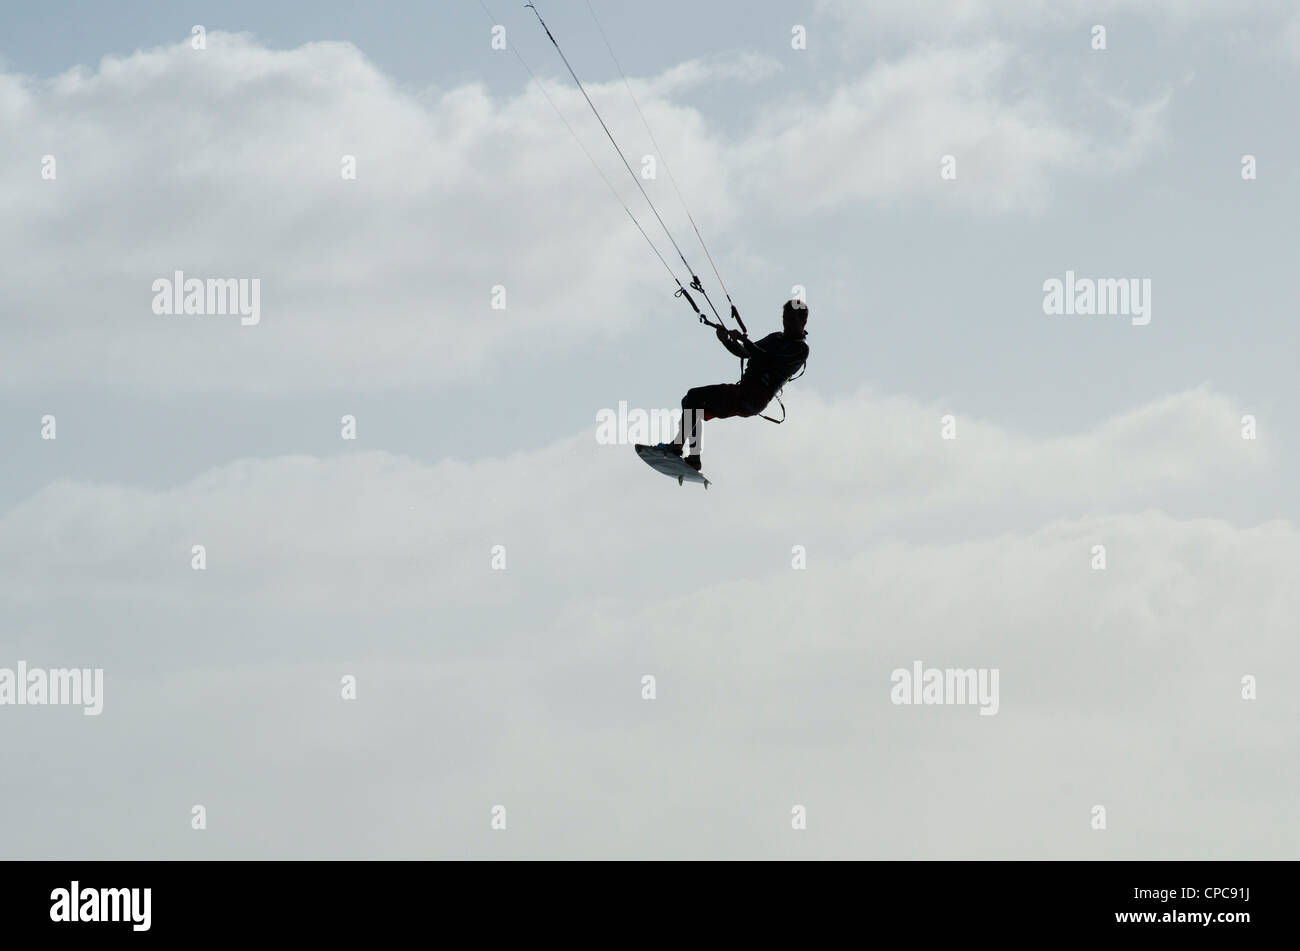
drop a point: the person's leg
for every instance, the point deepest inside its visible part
(719, 401)
(694, 404)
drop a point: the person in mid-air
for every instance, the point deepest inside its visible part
(772, 361)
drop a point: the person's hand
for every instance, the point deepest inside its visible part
(723, 334)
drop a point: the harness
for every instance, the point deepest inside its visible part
(781, 389)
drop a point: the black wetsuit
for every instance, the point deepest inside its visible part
(772, 361)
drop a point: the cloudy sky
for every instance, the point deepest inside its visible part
(773, 609)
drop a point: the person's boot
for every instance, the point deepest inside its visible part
(693, 461)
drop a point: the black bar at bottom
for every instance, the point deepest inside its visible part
(667, 901)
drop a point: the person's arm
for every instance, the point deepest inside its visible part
(736, 344)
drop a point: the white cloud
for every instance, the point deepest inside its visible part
(226, 163)
(877, 463)
(692, 74)
(882, 138)
(522, 686)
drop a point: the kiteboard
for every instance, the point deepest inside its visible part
(670, 464)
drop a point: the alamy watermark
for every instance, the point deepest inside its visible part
(76, 904)
(36, 686)
(946, 686)
(1102, 297)
(179, 296)
(624, 427)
